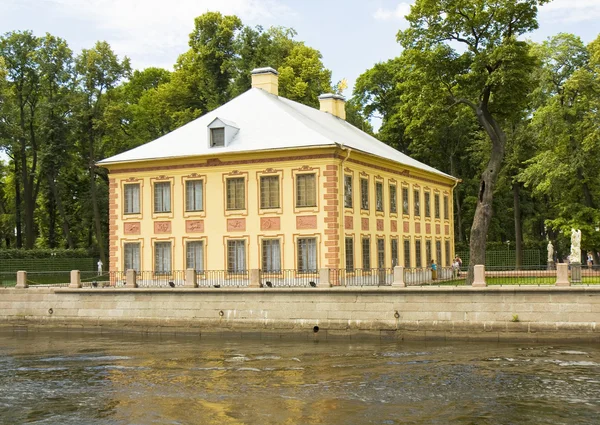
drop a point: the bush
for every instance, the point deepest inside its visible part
(11, 254)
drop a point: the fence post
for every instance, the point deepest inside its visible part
(75, 279)
(131, 279)
(479, 275)
(562, 275)
(191, 280)
(399, 277)
(254, 278)
(324, 279)
(21, 280)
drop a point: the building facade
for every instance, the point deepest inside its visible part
(266, 183)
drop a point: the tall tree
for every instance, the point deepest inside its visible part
(491, 76)
(99, 71)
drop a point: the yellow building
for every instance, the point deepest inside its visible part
(267, 183)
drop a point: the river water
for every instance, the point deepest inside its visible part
(59, 378)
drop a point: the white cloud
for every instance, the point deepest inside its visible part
(570, 11)
(398, 13)
(154, 32)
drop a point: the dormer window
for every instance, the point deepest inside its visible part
(217, 137)
(221, 132)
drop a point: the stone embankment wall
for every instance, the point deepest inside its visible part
(491, 313)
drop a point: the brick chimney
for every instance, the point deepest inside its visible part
(335, 104)
(266, 79)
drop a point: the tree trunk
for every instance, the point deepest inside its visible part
(483, 211)
(459, 229)
(66, 228)
(18, 229)
(518, 228)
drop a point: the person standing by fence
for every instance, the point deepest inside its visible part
(433, 270)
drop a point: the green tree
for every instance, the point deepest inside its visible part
(491, 76)
(98, 72)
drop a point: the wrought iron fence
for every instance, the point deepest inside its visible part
(8, 279)
(288, 278)
(526, 275)
(361, 277)
(590, 275)
(223, 279)
(153, 279)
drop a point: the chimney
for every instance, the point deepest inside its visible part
(335, 104)
(266, 79)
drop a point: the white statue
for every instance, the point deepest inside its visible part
(100, 267)
(575, 256)
(550, 252)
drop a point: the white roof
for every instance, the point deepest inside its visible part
(266, 122)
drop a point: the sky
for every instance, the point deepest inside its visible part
(352, 35)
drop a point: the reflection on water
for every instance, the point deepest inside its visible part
(54, 378)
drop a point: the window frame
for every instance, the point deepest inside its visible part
(194, 181)
(365, 242)
(162, 184)
(139, 198)
(364, 194)
(417, 202)
(379, 196)
(213, 132)
(193, 242)
(277, 197)
(139, 253)
(436, 206)
(393, 198)
(395, 259)
(406, 201)
(268, 249)
(229, 181)
(349, 254)
(348, 194)
(231, 263)
(299, 179)
(158, 271)
(300, 266)
(418, 253)
(407, 255)
(427, 201)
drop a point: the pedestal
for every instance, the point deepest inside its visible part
(551, 265)
(576, 272)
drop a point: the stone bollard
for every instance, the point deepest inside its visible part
(479, 276)
(254, 278)
(75, 279)
(562, 275)
(324, 279)
(21, 280)
(191, 279)
(131, 279)
(399, 277)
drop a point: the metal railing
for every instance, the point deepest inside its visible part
(526, 275)
(222, 279)
(152, 279)
(361, 277)
(288, 278)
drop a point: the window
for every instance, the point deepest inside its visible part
(194, 256)
(348, 191)
(438, 252)
(393, 199)
(236, 255)
(366, 253)
(132, 198)
(131, 256)
(446, 217)
(364, 194)
(394, 251)
(349, 254)
(418, 263)
(194, 195)
(269, 192)
(448, 262)
(436, 205)
(407, 253)
(306, 190)
(162, 197)
(217, 136)
(417, 201)
(307, 255)
(379, 196)
(405, 203)
(380, 253)
(271, 255)
(427, 204)
(162, 257)
(428, 256)
(236, 194)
